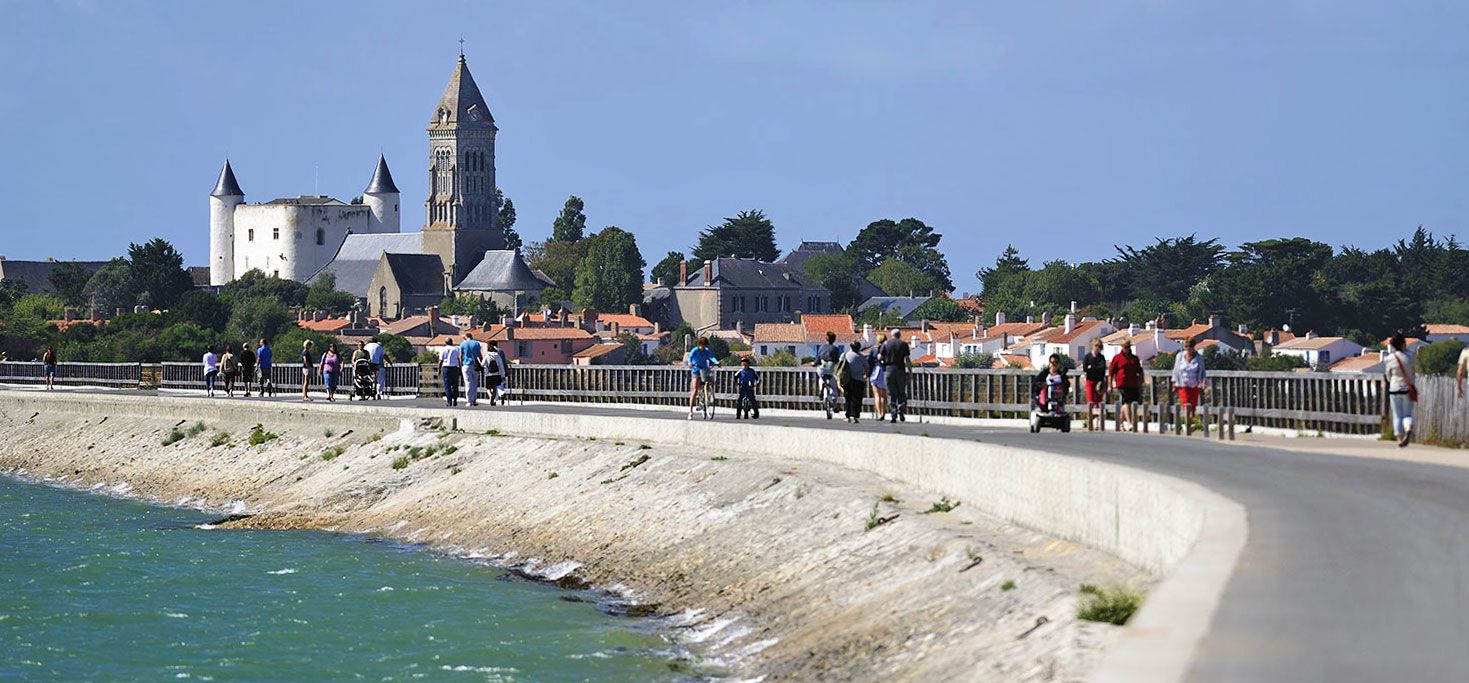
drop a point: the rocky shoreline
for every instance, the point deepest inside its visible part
(769, 567)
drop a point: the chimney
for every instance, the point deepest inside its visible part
(1029, 319)
(709, 273)
(1311, 334)
(1244, 330)
(1073, 307)
(507, 321)
(616, 329)
(1132, 330)
(1071, 319)
(658, 282)
(318, 316)
(1213, 320)
(1000, 318)
(95, 315)
(69, 314)
(1046, 318)
(683, 273)
(433, 320)
(658, 328)
(635, 309)
(867, 332)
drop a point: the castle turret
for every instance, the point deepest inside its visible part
(222, 202)
(381, 196)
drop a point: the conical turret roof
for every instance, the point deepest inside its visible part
(382, 179)
(227, 185)
(462, 103)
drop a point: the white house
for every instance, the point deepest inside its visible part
(1319, 351)
(1438, 333)
(1146, 342)
(1075, 339)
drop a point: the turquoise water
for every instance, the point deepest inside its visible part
(96, 588)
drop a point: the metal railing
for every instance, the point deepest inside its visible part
(115, 375)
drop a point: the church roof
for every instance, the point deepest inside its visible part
(417, 274)
(356, 259)
(227, 184)
(462, 102)
(501, 270)
(382, 179)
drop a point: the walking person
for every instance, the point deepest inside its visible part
(331, 368)
(1094, 369)
(495, 371)
(247, 367)
(1188, 378)
(878, 380)
(263, 358)
(1402, 392)
(308, 370)
(229, 366)
(1463, 369)
(896, 364)
(211, 370)
(48, 363)
(377, 354)
(854, 380)
(449, 369)
(1126, 371)
(472, 360)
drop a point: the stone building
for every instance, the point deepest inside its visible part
(736, 293)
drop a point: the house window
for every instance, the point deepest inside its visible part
(320, 236)
(737, 304)
(764, 350)
(275, 233)
(762, 304)
(520, 349)
(250, 235)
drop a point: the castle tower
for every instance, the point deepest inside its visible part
(222, 202)
(461, 212)
(381, 197)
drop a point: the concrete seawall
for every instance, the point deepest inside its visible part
(1165, 526)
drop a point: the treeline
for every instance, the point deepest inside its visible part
(184, 320)
(1351, 292)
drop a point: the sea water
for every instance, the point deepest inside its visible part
(99, 588)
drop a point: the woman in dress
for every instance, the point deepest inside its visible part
(878, 378)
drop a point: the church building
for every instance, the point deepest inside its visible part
(361, 244)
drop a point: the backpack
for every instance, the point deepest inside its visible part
(492, 368)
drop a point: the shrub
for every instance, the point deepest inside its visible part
(1109, 605)
(332, 453)
(1440, 358)
(1008, 585)
(174, 436)
(196, 429)
(400, 463)
(258, 435)
(943, 505)
(219, 439)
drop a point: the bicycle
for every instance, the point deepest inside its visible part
(706, 394)
(830, 397)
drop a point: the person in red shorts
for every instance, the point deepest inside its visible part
(1126, 371)
(1188, 377)
(1094, 369)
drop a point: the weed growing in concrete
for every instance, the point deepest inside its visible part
(1088, 589)
(173, 436)
(1109, 605)
(888, 498)
(331, 454)
(449, 449)
(1007, 586)
(619, 443)
(258, 435)
(635, 462)
(328, 433)
(415, 452)
(644, 447)
(493, 432)
(196, 429)
(606, 481)
(943, 505)
(871, 519)
(376, 437)
(801, 491)
(400, 463)
(455, 470)
(219, 439)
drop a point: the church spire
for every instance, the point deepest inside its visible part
(227, 185)
(382, 179)
(462, 103)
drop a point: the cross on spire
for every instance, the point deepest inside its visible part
(461, 45)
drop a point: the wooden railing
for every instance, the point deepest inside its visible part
(1441, 417)
(401, 379)
(115, 375)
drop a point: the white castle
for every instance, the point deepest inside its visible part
(298, 238)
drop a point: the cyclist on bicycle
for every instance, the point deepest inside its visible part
(701, 366)
(826, 362)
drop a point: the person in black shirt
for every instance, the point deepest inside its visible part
(895, 364)
(1094, 367)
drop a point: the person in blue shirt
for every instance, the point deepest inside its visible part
(472, 355)
(263, 359)
(701, 366)
(748, 379)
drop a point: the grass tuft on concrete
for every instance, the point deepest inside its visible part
(173, 436)
(400, 462)
(258, 435)
(1113, 605)
(331, 454)
(943, 505)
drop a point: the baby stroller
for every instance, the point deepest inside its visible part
(364, 381)
(1048, 408)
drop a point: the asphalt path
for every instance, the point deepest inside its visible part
(1355, 569)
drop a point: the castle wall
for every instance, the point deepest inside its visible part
(281, 239)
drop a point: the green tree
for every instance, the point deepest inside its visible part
(1057, 284)
(632, 350)
(900, 278)
(667, 268)
(838, 273)
(177, 342)
(998, 277)
(610, 275)
(69, 282)
(112, 287)
(200, 308)
(10, 290)
(779, 359)
(747, 235)
(1272, 281)
(397, 348)
(1167, 269)
(974, 361)
(941, 309)
(481, 308)
(1439, 358)
(255, 284)
(323, 295)
(507, 221)
(254, 318)
(1217, 357)
(158, 270)
(39, 307)
(909, 240)
(558, 260)
(571, 224)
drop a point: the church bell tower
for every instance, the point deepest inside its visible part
(461, 213)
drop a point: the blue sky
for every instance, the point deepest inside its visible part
(1063, 128)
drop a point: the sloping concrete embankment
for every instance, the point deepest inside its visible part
(1168, 527)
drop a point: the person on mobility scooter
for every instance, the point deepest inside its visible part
(1048, 397)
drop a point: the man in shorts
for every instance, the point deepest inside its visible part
(1126, 371)
(1094, 369)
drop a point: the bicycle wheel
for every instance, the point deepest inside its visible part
(706, 397)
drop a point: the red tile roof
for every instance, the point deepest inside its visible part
(1016, 329)
(1185, 333)
(536, 333)
(779, 333)
(597, 350)
(327, 325)
(1447, 329)
(1304, 344)
(1077, 331)
(820, 324)
(624, 320)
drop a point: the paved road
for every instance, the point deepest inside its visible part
(1355, 569)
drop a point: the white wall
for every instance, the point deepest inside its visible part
(293, 255)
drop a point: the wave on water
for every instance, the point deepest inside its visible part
(282, 571)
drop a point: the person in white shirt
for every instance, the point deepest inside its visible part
(449, 362)
(376, 355)
(211, 370)
(1401, 392)
(1463, 369)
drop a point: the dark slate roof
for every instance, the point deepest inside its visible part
(501, 270)
(199, 274)
(804, 251)
(382, 179)
(308, 200)
(901, 306)
(227, 184)
(867, 290)
(36, 275)
(752, 274)
(461, 99)
(417, 274)
(356, 259)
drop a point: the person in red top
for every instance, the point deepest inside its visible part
(1126, 372)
